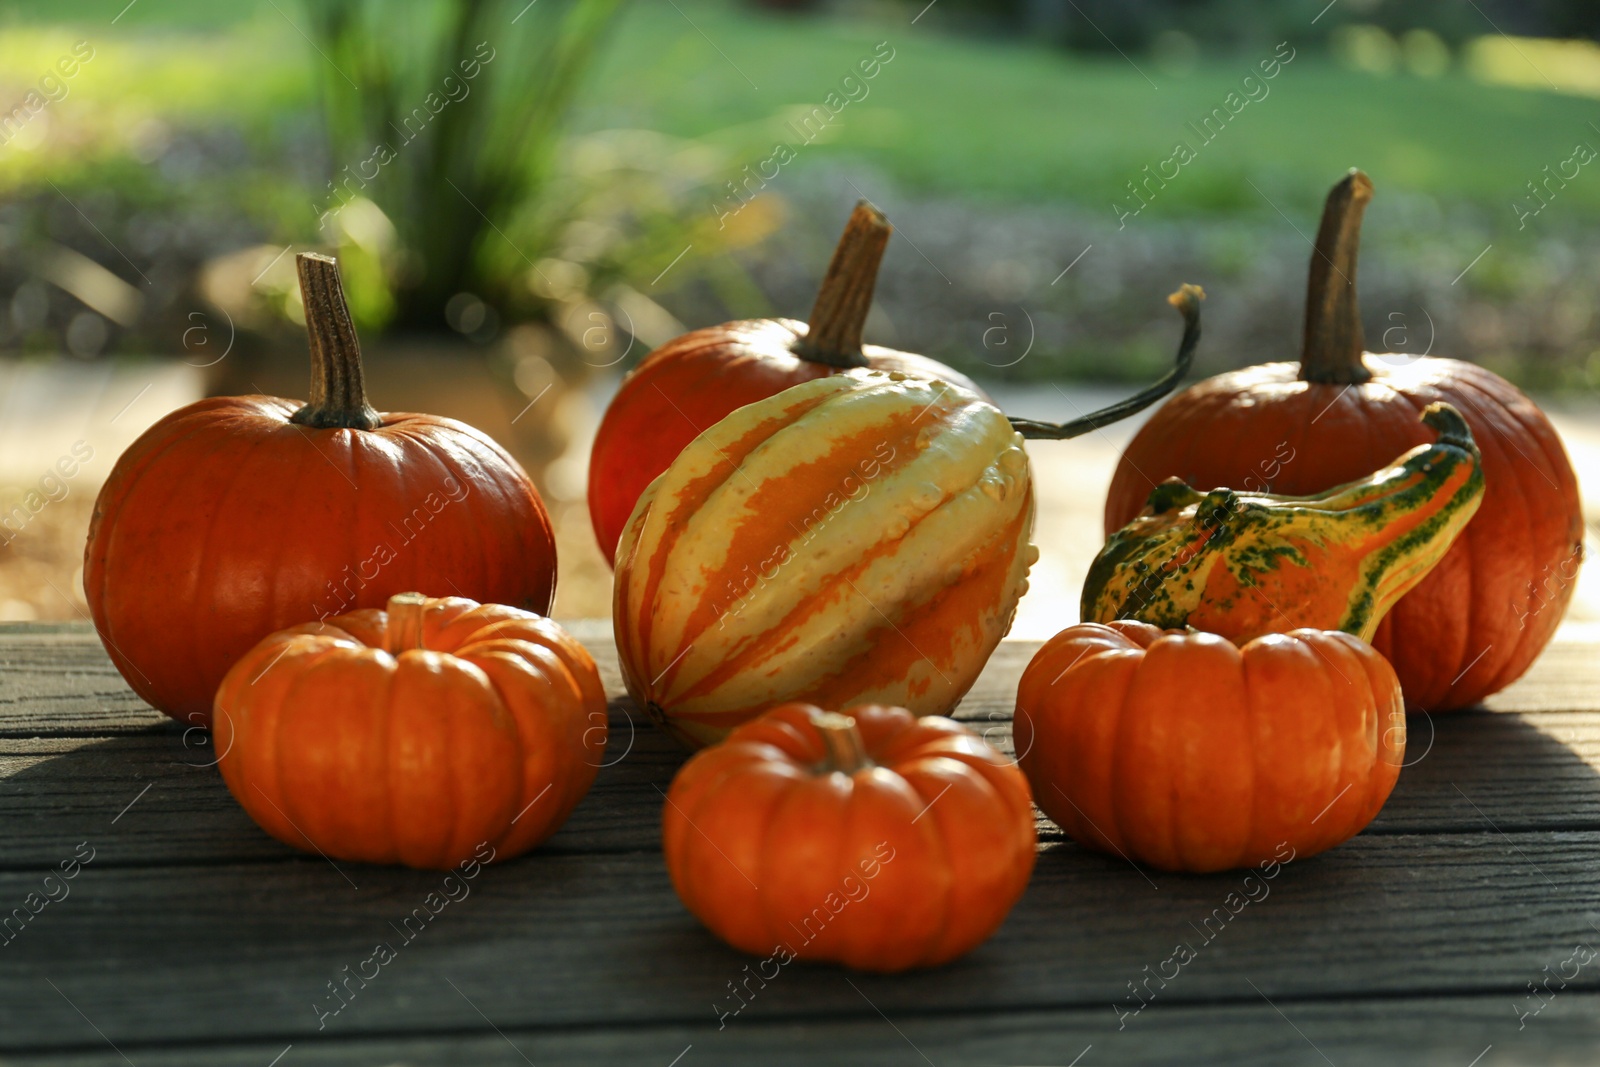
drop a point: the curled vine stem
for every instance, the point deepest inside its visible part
(1187, 301)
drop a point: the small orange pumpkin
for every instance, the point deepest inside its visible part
(414, 735)
(868, 837)
(1188, 753)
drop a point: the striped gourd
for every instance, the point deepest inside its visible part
(1246, 564)
(857, 539)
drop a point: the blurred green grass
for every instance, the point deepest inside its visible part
(977, 117)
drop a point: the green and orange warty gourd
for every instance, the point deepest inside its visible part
(1476, 622)
(859, 538)
(1183, 751)
(1246, 564)
(870, 837)
(237, 516)
(413, 735)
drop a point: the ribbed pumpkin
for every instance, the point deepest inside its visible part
(690, 383)
(413, 735)
(861, 538)
(237, 516)
(1481, 617)
(869, 837)
(1246, 564)
(1185, 752)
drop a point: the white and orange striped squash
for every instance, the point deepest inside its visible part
(857, 539)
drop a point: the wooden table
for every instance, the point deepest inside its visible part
(193, 938)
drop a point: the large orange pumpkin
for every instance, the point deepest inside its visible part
(414, 735)
(690, 383)
(860, 538)
(1185, 752)
(871, 837)
(1481, 617)
(237, 516)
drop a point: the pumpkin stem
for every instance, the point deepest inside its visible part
(847, 753)
(405, 622)
(840, 312)
(1187, 301)
(338, 398)
(1333, 338)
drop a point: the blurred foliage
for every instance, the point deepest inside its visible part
(449, 120)
(197, 136)
(1137, 25)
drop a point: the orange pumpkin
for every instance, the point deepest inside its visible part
(692, 382)
(1185, 752)
(1482, 616)
(237, 516)
(869, 837)
(414, 735)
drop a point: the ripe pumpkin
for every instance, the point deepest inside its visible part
(868, 837)
(1483, 615)
(860, 538)
(1186, 752)
(692, 382)
(413, 735)
(237, 516)
(1246, 564)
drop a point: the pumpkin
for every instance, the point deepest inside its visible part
(236, 516)
(1186, 752)
(692, 382)
(414, 735)
(868, 837)
(857, 539)
(1475, 623)
(1246, 564)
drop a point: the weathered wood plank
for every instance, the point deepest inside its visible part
(1466, 772)
(1470, 772)
(171, 805)
(1409, 1032)
(246, 952)
(58, 680)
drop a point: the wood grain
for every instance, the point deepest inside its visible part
(194, 938)
(597, 940)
